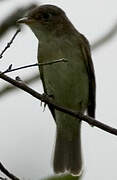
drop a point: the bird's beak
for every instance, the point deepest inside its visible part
(25, 20)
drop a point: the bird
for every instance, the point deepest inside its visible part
(70, 84)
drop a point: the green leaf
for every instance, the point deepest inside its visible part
(63, 177)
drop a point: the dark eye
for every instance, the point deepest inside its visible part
(47, 16)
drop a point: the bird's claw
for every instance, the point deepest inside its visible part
(46, 95)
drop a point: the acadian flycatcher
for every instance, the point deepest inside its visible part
(71, 84)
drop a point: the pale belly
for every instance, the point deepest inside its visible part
(68, 84)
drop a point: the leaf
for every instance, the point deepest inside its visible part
(63, 177)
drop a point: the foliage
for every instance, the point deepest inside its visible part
(63, 177)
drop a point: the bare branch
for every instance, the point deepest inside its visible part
(32, 65)
(48, 100)
(7, 173)
(105, 38)
(9, 43)
(9, 88)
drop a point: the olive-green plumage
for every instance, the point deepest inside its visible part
(71, 84)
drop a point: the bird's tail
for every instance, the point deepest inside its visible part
(67, 155)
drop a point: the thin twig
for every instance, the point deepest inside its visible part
(7, 173)
(9, 88)
(9, 43)
(48, 100)
(32, 65)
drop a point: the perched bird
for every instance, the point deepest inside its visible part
(71, 84)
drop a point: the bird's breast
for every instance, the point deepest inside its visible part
(66, 81)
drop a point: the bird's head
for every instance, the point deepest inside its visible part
(46, 20)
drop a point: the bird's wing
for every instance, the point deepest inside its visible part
(85, 48)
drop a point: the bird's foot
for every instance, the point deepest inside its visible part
(46, 95)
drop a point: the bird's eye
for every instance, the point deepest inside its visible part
(46, 16)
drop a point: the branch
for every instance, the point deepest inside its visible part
(7, 173)
(105, 38)
(48, 100)
(9, 43)
(8, 88)
(32, 65)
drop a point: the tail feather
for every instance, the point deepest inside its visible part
(67, 155)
